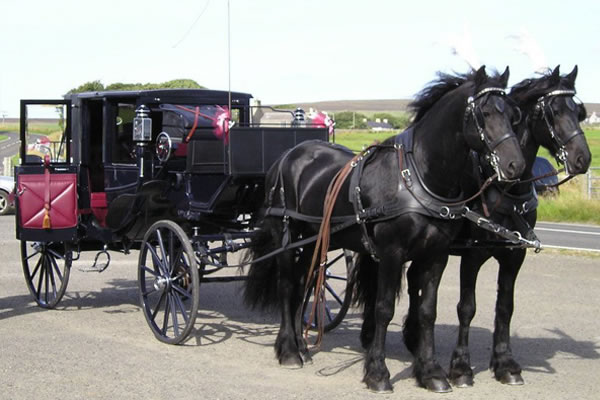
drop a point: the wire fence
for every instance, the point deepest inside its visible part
(593, 183)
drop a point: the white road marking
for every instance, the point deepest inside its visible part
(567, 231)
(547, 246)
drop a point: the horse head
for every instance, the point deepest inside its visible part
(553, 118)
(488, 125)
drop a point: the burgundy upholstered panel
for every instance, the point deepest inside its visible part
(63, 200)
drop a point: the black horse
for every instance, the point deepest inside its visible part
(552, 121)
(405, 195)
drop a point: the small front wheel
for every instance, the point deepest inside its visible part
(168, 282)
(46, 266)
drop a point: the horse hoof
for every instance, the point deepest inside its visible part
(382, 387)
(291, 362)
(463, 381)
(437, 385)
(512, 379)
(306, 359)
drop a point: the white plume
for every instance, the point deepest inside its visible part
(526, 44)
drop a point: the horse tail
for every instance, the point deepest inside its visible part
(364, 277)
(364, 280)
(261, 286)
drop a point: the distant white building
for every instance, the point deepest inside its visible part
(593, 119)
(379, 125)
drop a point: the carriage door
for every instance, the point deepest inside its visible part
(46, 179)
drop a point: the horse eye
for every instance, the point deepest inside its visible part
(571, 104)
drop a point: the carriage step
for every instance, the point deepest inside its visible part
(98, 267)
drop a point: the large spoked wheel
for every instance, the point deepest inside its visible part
(168, 282)
(46, 266)
(338, 293)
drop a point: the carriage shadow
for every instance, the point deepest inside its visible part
(120, 297)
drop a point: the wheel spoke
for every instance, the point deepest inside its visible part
(36, 252)
(36, 269)
(57, 269)
(40, 278)
(172, 261)
(155, 258)
(181, 307)
(55, 254)
(161, 244)
(334, 294)
(52, 266)
(166, 316)
(46, 270)
(173, 315)
(150, 271)
(157, 309)
(181, 290)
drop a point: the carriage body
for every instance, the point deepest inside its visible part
(110, 188)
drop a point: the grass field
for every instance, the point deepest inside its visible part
(3, 137)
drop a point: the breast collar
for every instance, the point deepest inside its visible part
(412, 196)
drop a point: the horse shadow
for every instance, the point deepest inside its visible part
(533, 353)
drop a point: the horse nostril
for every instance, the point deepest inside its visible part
(514, 169)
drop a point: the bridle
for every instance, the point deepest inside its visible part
(473, 110)
(543, 110)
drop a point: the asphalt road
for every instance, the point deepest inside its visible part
(569, 236)
(97, 345)
(8, 147)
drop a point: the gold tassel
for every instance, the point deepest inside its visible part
(46, 221)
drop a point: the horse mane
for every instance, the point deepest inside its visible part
(533, 88)
(434, 91)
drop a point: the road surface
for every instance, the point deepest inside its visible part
(569, 236)
(97, 345)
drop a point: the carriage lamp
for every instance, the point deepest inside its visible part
(142, 134)
(142, 125)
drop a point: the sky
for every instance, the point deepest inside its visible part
(289, 51)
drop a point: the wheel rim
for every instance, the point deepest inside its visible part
(338, 294)
(47, 268)
(168, 282)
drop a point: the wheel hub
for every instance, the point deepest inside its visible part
(161, 283)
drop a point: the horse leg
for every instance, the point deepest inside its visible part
(428, 372)
(461, 374)
(286, 345)
(410, 329)
(377, 375)
(506, 369)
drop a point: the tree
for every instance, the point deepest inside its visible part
(97, 86)
(397, 121)
(350, 120)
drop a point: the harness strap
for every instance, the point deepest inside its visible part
(322, 247)
(46, 224)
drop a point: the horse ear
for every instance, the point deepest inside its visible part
(480, 76)
(555, 76)
(572, 76)
(504, 77)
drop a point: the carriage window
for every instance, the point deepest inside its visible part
(123, 149)
(45, 133)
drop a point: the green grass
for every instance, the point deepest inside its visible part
(571, 205)
(355, 140)
(3, 137)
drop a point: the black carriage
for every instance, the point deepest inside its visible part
(175, 174)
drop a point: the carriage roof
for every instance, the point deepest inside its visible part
(204, 96)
